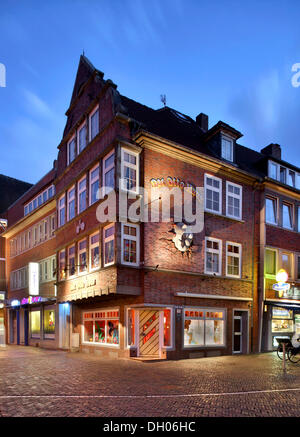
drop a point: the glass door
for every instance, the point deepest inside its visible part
(237, 335)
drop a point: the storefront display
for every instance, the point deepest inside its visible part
(49, 323)
(203, 328)
(35, 324)
(101, 327)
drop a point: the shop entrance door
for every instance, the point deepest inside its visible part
(237, 335)
(149, 333)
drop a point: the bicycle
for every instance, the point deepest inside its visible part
(294, 351)
(288, 347)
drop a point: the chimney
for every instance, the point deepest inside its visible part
(202, 121)
(273, 150)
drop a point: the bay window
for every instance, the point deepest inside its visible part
(94, 251)
(213, 194)
(233, 200)
(109, 244)
(213, 256)
(130, 244)
(129, 170)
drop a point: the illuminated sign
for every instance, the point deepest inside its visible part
(172, 182)
(31, 299)
(282, 287)
(33, 273)
(2, 296)
(15, 303)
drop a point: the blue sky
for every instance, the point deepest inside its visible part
(229, 59)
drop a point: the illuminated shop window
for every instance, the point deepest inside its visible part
(94, 184)
(109, 171)
(49, 323)
(94, 251)
(109, 244)
(130, 244)
(81, 195)
(82, 263)
(203, 327)
(62, 264)
(167, 328)
(131, 327)
(129, 170)
(35, 324)
(213, 194)
(101, 327)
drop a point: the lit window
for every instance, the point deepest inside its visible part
(61, 211)
(129, 170)
(81, 195)
(287, 216)
(81, 139)
(109, 244)
(131, 327)
(71, 204)
(234, 200)
(94, 123)
(35, 324)
(94, 251)
(62, 265)
(285, 262)
(71, 260)
(101, 327)
(49, 323)
(130, 244)
(213, 194)
(109, 171)
(167, 328)
(204, 327)
(82, 264)
(233, 259)
(270, 262)
(227, 148)
(94, 184)
(71, 150)
(271, 211)
(213, 256)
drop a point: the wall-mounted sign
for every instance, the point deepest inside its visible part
(31, 299)
(15, 303)
(33, 274)
(172, 182)
(282, 287)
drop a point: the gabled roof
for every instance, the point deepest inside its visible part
(10, 190)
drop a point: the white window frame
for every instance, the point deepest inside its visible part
(79, 191)
(277, 170)
(63, 197)
(135, 167)
(93, 181)
(84, 124)
(92, 246)
(230, 140)
(234, 255)
(106, 170)
(219, 252)
(217, 190)
(94, 318)
(69, 200)
(90, 123)
(68, 150)
(274, 199)
(135, 238)
(292, 259)
(235, 196)
(107, 240)
(270, 275)
(290, 207)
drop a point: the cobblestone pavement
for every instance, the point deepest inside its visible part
(37, 382)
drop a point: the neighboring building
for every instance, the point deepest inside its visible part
(129, 288)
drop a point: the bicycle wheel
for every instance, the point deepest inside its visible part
(293, 356)
(279, 352)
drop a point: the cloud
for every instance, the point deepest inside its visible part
(36, 105)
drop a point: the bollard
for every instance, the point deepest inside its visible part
(283, 358)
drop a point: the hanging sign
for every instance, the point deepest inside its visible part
(33, 273)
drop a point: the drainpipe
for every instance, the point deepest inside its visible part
(255, 187)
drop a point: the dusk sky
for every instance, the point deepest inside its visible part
(229, 59)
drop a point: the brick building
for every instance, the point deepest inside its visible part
(123, 287)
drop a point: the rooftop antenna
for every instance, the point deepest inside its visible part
(163, 99)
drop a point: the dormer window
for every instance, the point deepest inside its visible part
(227, 148)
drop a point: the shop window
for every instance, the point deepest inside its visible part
(71, 204)
(282, 320)
(270, 262)
(167, 328)
(129, 170)
(94, 184)
(101, 327)
(109, 244)
(62, 265)
(213, 252)
(82, 256)
(81, 138)
(94, 123)
(71, 260)
(227, 148)
(71, 150)
(271, 211)
(35, 324)
(233, 200)
(204, 328)
(61, 210)
(81, 195)
(213, 194)
(49, 323)
(287, 216)
(130, 244)
(233, 259)
(109, 172)
(94, 251)
(131, 327)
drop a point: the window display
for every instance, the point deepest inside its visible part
(35, 323)
(49, 323)
(101, 327)
(203, 328)
(131, 327)
(167, 327)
